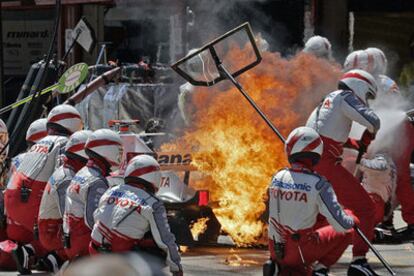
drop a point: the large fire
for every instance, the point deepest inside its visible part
(235, 147)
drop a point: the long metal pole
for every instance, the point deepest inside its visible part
(383, 261)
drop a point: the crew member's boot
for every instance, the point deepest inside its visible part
(21, 256)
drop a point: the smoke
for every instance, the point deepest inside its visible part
(391, 111)
(197, 21)
(155, 28)
(391, 137)
(215, 17)
(390, 133)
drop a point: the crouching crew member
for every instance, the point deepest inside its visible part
(128, 213)
(52, 205)
(28, 180)
(104, 149)
(333, 119)
(296, 196)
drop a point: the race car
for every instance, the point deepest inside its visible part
(184, 205)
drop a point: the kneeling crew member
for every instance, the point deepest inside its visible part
(296, 196)
(128, 212)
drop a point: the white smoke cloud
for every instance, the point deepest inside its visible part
(390, 133)
(392, 112)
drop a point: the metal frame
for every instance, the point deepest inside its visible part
(210, 47)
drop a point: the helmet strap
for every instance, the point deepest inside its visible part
(305, 159)
(29, 144)
(55, 129)
(74, 161)
(303, 163)
(140, 183)
(99, 163)
(343, 86)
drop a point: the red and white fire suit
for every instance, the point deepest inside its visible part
(25, 187)
(333, 120)
(6, 260)
(125, 214)
(52, 206)
(82, 199)
(296, 197)
(379, 180)
(400, 152)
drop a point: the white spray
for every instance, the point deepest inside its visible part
(391, 111)
(390, 132)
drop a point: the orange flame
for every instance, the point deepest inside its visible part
(235, 260)
(199, 227)
(236, 149)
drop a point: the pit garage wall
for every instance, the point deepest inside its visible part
(26, 36)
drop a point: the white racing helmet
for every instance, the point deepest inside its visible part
(318, 46)
(361, 83)
(106, 145)
(379, 65)
(76, 143)
(4, 140)
(372, 60)
(304, 142)
(65, 116)
(36, 131)
(143, 167)
(358, 60)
